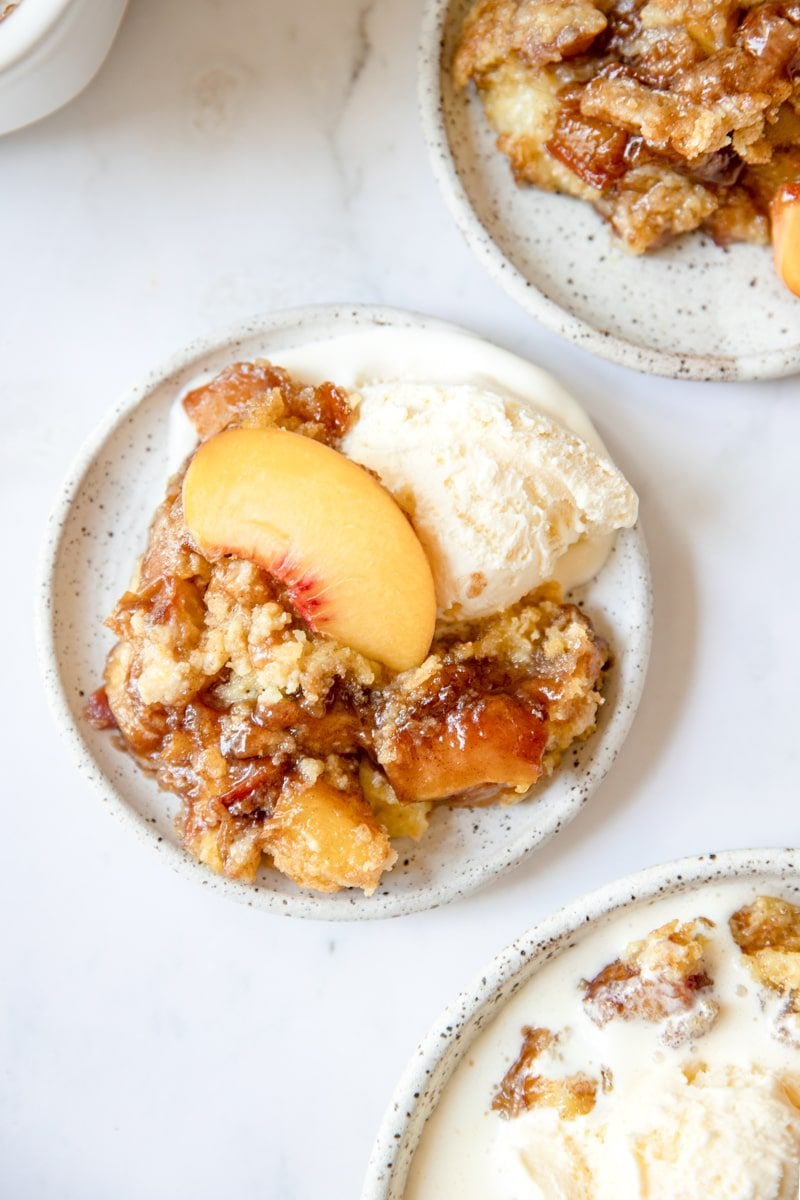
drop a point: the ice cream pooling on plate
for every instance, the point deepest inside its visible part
(502, 497)
(715, 1116)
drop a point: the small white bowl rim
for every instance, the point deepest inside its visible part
(322, 908)
(672, 364)
(654, 882)
(25, 28)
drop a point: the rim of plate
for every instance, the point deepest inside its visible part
(322, 906)
(704, 367)
(516, 964)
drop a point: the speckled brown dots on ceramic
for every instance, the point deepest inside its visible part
(437, 1057)
(99, 527)
(691, 311)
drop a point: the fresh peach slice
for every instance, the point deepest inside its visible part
(353, 566)
(785, 215)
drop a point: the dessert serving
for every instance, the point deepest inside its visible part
(667, 115)
(350, 609)
(658, 1057)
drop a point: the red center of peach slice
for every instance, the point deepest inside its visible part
(348, 555)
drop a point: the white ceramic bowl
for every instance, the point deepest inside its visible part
(49, 51)
(691, 311)
(450, 1038)
(99, 527)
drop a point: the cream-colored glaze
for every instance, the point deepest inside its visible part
(468, 1152)
(355, 360)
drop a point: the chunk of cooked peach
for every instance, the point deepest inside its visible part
(460, 731)
(327, 839)
(495, 740)
(347, 554)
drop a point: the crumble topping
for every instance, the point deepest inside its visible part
(258, 395)
(667, 115)
(522, 1088)
(662, 978)
(768, 934)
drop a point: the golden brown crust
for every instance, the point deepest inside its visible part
(257, 395)
(652, 111)
(521, 1089)
(653, 204)
(534, 31)
(768, 923)
(737, 218)
(768, 934)
(662, 978)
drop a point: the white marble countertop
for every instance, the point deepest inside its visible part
(234, 157)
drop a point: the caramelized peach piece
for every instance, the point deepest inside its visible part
(327, 839)
(785, 215)
(491, 739)
(521, 1089)
(352, 564)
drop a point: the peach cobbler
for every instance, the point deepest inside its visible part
(667, 115)
(282, 666)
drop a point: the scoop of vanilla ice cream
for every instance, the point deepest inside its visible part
(550, 1160)
(731, 1133)
(497, 491)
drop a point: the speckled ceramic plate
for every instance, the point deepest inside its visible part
(450, 1038)
(99, 527)
(691, 311)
